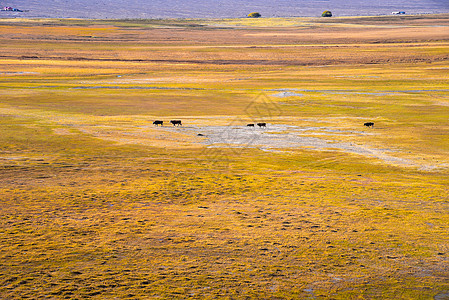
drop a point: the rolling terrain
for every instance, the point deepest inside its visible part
(155, 9)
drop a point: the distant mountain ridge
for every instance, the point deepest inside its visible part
(116, 9)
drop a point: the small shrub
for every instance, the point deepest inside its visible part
(326, 13)
(254, 15)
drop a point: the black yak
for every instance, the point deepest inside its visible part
(176, 122)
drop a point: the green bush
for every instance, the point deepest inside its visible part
(326, 13)
(254, 15)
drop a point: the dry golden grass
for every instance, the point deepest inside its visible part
(96, 202)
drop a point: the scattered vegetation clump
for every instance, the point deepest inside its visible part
(254, 15)
(326, 13)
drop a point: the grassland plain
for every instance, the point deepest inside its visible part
(96, 202)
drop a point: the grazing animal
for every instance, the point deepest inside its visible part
(157, 123)
(262, 125)
(176, 122)
(200, 134)
(250, 125)
(369, 124)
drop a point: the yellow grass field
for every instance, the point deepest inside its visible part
(97, 202)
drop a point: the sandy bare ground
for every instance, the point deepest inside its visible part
(284, 138)
(225, 132)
